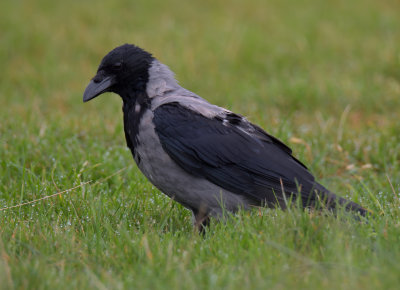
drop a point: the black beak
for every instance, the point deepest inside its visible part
(96, 88)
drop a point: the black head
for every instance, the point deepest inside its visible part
(123, 71)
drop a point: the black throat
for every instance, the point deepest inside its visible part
(134, 108)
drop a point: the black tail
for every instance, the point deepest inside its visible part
(332, 201)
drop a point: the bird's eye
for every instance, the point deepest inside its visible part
(117, 65)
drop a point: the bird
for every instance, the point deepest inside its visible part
(205, 157)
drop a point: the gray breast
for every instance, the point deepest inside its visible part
(193, 192)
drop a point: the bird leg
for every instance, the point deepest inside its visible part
(200, 221)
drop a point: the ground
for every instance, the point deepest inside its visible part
(323, 76)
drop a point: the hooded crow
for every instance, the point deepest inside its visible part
(203, 156)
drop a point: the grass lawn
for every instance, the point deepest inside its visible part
(323, 76)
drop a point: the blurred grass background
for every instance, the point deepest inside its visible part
(323, 76)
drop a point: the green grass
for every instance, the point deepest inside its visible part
(323, 76)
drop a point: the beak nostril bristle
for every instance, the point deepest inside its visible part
(96, 79)
(99, 77)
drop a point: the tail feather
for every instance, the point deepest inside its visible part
(332, 201)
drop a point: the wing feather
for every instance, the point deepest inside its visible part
(238, 156)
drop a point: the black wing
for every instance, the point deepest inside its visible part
(232, 153)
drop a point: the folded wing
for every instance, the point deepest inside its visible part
(234, 154)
